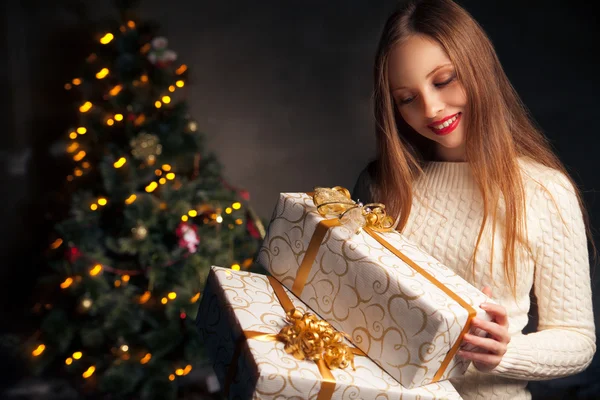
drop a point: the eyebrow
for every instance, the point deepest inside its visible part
(428, 75)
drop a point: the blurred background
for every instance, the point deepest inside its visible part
(283, 92)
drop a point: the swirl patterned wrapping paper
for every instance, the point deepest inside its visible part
(236, 301)
(406, 323)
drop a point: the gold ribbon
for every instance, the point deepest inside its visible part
(336, 201)
(306, 338)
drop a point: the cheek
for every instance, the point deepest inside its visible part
(410, 116)
(457, 96)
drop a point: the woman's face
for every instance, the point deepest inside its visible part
(428, 95)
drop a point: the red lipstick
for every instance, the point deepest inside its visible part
(446, 130)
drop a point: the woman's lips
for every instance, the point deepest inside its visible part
(446, 130)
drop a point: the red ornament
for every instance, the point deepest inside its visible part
(244, 194)
(72, 254)
(252, 230)
(188, 236)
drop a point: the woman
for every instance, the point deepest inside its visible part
(475, 184)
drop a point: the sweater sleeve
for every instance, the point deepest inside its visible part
(564, 343)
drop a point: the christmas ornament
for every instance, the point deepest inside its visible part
(188, 236)
(192, 126)
(86, 302)
(146, 147)
(159, 55)
(139, 232)
(72, 254)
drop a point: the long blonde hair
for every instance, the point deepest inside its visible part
(493, 107)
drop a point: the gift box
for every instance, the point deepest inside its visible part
(403, 308)
(240, 318)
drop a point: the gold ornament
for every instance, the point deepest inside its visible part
(192, 126)
(146, 147)
(140, 232)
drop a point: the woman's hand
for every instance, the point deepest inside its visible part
(493, 346)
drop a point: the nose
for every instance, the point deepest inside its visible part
(432, 105)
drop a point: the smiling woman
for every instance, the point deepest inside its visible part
(428, 96)
(471, 180)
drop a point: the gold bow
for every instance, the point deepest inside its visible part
(309, 338)
(337, 201)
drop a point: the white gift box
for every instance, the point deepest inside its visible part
(236, 304)
(399, 305)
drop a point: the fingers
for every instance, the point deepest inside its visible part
(486, 344)
(496, 331)
(497, 312)
(487, 291)
(489, 359)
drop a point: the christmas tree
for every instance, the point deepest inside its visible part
(149, 214)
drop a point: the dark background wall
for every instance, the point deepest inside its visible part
(283, 91)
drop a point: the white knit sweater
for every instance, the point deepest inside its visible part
(445, 220)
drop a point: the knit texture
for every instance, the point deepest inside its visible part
(445, 219)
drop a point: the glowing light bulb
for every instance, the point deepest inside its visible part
(179, 83)
(115, 90)
(96, 270)
(151, 187)
(102, 73)
(106, 39)
(38, 350)
(146, 358)
(130, 199)
(89, 372)
(120, 162)
(79, 156)
(66, 283)
(85, 107)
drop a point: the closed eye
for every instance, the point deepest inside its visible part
(438, 85)
(442, 84)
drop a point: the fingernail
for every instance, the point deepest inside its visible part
(483, 305)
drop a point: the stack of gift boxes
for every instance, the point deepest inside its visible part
(351, 309)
